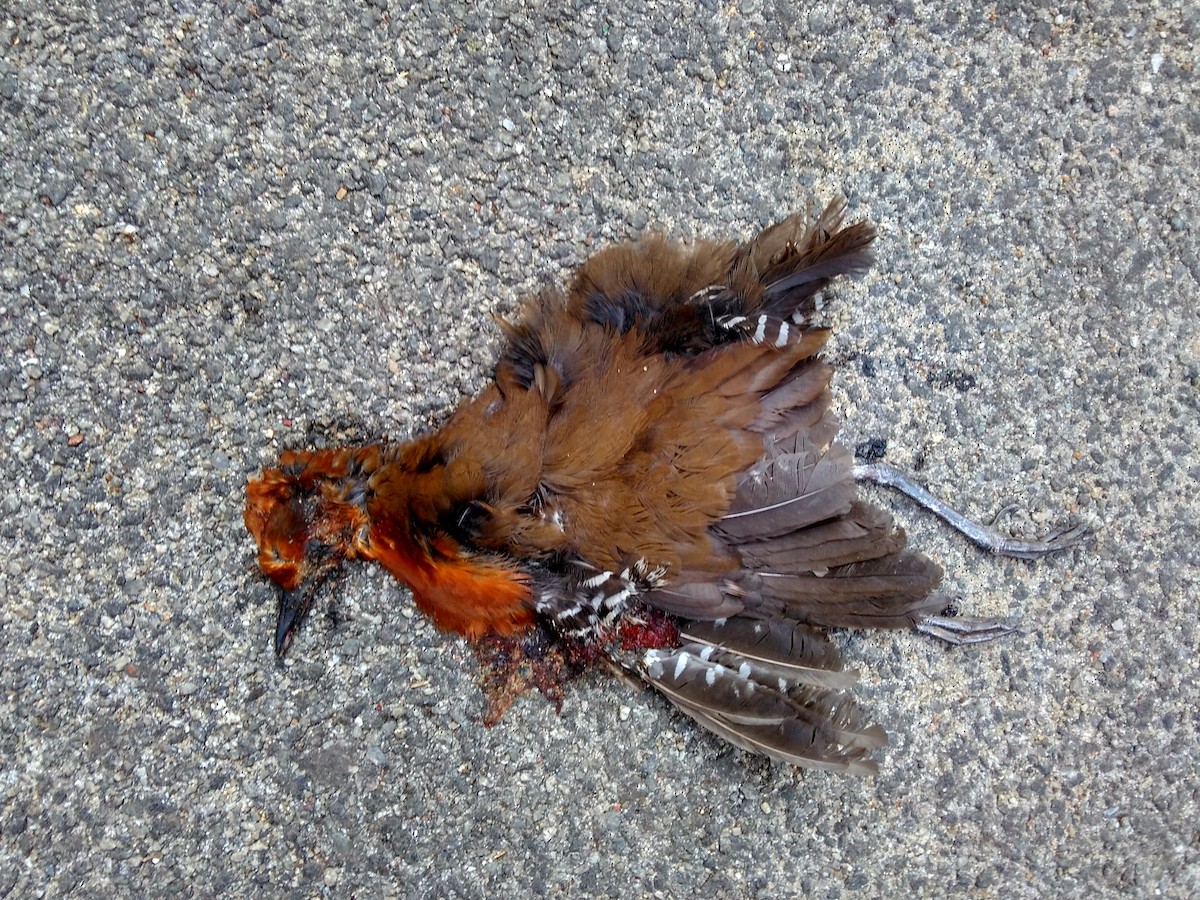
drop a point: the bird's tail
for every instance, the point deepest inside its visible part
(689, 301)
(773, 687)
(775, 281)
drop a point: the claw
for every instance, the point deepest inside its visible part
(1061, 539)
(1002, 512)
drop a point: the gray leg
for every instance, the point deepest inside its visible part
(988, 538)
(962, 630)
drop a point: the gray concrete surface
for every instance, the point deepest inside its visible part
(229, 229)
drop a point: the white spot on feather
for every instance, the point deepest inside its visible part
(680, 664)
(596, 580)
(761, 330)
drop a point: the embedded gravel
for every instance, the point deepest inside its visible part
(227, 229)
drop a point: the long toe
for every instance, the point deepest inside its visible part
(1062, 539)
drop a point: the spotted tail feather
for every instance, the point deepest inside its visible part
(754, 707)
(774, 649)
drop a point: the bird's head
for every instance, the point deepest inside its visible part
(305, 517)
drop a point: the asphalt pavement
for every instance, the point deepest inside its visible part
(229, 229)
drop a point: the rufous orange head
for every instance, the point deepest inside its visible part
(304, 521)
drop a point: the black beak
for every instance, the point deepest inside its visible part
(293, 607)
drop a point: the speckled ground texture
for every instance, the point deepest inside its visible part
(230, 229)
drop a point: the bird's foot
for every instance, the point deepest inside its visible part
(992, 539)
(981, 535)
(962, 630)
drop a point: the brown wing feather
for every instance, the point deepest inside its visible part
(628, 420)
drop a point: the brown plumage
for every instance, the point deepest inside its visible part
(651, 481)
